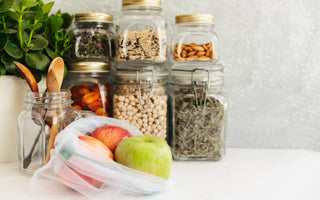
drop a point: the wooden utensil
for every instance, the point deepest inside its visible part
(31, 81)
(27, 76)
(54, 82)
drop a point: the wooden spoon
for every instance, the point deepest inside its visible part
(28, 77)
(55, 75)
(54, 82)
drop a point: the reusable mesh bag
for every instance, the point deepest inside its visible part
(92, 173)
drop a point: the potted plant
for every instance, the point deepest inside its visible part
(29, 35)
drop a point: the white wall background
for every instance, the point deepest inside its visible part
(271, 53)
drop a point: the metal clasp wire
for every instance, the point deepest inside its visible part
(148, 82)
(195, 84)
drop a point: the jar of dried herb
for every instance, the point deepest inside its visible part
(91, 86)
(93, 37)
(141, 32)
(140, 97)
(194, 39)
(198, 108)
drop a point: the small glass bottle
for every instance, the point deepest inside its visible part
(141, 98)
(194, 39)
(199, 114)
(90, 85)
(93, 37)
(42, 112)
(141, 32)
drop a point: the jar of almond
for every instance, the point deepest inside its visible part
(90, 85)
(140, 97)
(194, 39)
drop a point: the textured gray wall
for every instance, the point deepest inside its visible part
(270, 49)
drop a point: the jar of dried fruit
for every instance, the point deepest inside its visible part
(93, 37)
(140, 97)
(199, 114)
(141, 32)
(194, 39)
(90, 85)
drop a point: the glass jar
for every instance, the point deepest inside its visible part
(194, 39)
(199, 114)
(90, 85)
(93, 37)
(141, 32)
(141, 98)
(43, 113)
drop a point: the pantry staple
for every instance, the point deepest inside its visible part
(148, 113)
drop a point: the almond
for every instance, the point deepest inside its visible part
(205, 47)
(208, 53)
(201, 53)
(180, 59)
(188, 49)
(184, 53)
(191, 58)
(197, 48)
(203, 58)
(191, 53)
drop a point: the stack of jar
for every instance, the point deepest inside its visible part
(140, 94)
(188, 108)
(89, 71)
(198, 104)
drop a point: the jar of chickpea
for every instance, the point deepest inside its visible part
(140, 97)
(90, 85)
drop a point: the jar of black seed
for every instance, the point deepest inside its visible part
(93, 37)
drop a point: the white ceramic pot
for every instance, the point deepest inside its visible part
(12, 92)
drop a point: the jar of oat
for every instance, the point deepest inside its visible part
(140, 97)
(194, 39)
(93, 37)
(141, 32)
(199, 114)
(90, 85)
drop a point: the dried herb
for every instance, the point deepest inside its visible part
(199, 131)
(93, 43)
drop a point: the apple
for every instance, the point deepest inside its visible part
(96, 149)
(111, 136)
(145, 153)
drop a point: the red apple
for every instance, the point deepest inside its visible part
(111, 136)
(96, 149)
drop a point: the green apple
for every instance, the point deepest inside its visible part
(145, 153)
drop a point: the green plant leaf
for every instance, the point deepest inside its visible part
(67, 20)
(25, 36)
(26, 24)
(8, 63)
(37, 61)
(29, 14)
(5, 5)
(46, 8)
(35, 26)
(29, 3)
(13, 50)
(3, 40)
(39, 43)
(55, 22)
(13, 15)
(16, 5)
(8, 31)
(51, 53)
(2, 70)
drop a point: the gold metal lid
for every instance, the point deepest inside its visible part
(141, 3)
(90, 66)
(96, 17)
(195, 18)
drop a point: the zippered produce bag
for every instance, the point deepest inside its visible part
(92, 173)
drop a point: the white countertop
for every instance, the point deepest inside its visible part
(243, 174)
